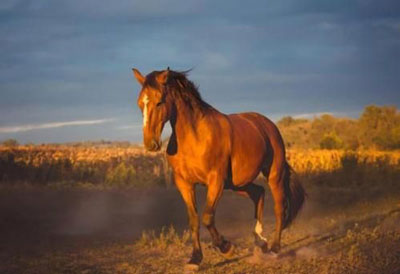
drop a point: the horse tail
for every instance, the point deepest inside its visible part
(295, 195)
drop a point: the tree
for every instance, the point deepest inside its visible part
(379, 126)
(10, 143)
(331, 141)
(121, 175)
(285, 121)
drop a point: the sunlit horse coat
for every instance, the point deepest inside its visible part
(220, 151)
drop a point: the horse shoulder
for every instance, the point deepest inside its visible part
(196, 155)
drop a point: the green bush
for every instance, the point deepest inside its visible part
(121, 175)
(331, 141)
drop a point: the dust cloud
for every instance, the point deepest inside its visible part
(31, 217)
(39, 219)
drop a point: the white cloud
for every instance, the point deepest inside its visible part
(312, 114)
(28, 127)
(127, 127)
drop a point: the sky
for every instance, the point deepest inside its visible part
(65, 65)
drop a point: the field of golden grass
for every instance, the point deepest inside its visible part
(81, 165)
(133, 166)
(309, 161)
(302, 160)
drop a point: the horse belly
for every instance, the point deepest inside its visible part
(248, 151)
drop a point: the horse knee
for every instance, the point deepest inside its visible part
(207, 219)
(194, 222)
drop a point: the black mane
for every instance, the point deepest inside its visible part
(179, 87)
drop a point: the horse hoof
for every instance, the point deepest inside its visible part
(261, 243)
(230, 252)
(275, 248)
(191, 268)
(262, 256)
(264, 248)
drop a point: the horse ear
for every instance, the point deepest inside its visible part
(139, 77)
(162, 78)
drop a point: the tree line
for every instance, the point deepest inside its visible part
(378, 127)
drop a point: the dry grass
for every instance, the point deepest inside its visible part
(315, 161)
(49, 165)
(69, 165)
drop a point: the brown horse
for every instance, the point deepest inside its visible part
(220, 151)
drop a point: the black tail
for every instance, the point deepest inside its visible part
(295, 196)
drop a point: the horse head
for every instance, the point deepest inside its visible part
(155, 106)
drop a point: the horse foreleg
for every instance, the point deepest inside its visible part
(214, 193)
(188, 194)
(257, 194)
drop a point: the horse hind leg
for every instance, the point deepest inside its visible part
(276, 184)
(257, 194)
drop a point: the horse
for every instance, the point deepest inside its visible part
(219, 151)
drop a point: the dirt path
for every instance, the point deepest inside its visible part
(82, 231)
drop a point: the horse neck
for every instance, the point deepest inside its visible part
(186, 120)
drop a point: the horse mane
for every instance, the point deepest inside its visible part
(180, 88)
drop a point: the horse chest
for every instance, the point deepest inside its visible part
(189, 168)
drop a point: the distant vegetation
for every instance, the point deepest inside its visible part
(105, 165)
(10, 143)
(377, 128)
(326, 150)
(114, 166)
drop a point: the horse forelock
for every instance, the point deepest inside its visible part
(151, 80)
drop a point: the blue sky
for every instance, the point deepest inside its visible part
(65, 66)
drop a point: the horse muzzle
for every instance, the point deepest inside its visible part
(153, 145)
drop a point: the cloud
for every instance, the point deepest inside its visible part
(128, 127)
(312, 115)
(29, 127)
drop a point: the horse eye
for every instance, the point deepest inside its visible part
(159, 104)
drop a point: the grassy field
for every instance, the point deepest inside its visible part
(52, 165)
(350, 223)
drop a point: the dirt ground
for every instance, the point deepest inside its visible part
(100, 231)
